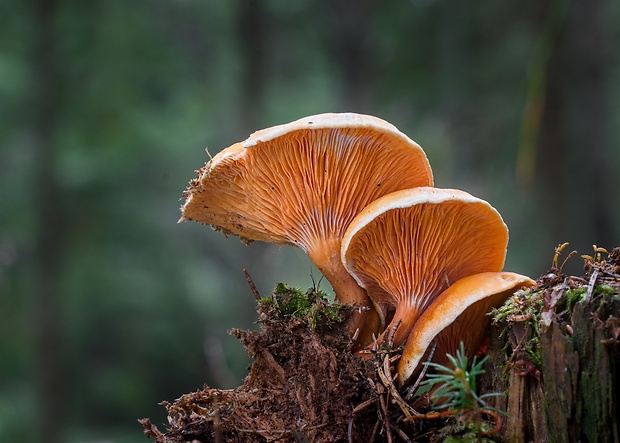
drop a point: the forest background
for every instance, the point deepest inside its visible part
(109, 307)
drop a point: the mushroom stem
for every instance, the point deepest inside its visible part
(407, 317)
(347, 291)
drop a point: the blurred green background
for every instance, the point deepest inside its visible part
(108, 306)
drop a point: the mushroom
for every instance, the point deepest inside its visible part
(458, 315)
(409, 246)
(302, 183)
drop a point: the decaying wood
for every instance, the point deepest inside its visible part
(572, 393)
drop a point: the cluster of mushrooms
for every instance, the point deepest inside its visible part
(357, 196)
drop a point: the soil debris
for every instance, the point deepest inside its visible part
(303, 385)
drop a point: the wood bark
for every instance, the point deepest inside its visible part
(572, 395)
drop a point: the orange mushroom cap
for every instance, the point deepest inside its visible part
(407, 247)
(302, 183)
(458, 315)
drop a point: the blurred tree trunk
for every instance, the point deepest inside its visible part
(47, 85)
(251, 24)
(347, 30)
(588, 69)
(575, 127)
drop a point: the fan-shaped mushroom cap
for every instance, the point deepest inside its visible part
(458, 315)
(407, 247)
(302, 183)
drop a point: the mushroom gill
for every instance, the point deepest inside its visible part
(458, 315)
(302, 183)
(409, 246)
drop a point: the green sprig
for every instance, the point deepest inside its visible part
(458, 383)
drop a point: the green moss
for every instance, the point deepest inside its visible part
(533, 350)
(470, 435)
(266, 301)
(606, 291)
(574, 296)
(284, 290)
(526, 307)
(522, 303)
(291, 301)
(312, 306)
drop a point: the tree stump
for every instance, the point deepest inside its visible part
(556, 356)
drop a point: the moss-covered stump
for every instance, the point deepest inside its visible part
(556, 355)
